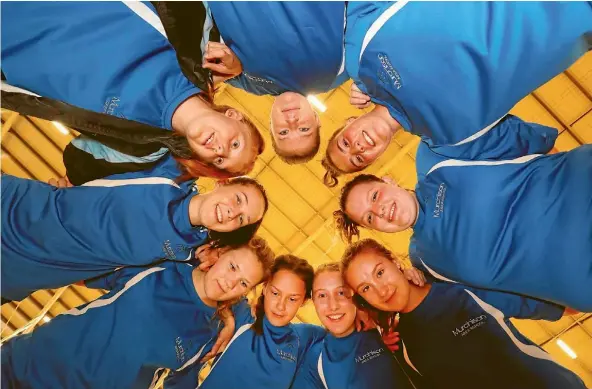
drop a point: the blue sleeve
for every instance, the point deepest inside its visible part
(242, 313)
(310, 335)
(520, 307)
(113, 280)
(510, 138)
(307, 375)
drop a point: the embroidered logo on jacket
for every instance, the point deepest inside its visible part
(440, 196)
(370, 355)
(469, 325)
(179, 350)
(111, 105)
(388, 74)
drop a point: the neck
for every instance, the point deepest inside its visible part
(187, 112)
(416, 295)
(346, 333)
(199, 282)
(384, 114)
(194, 207)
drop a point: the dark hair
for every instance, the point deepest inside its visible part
(194, 167)
(265, 255)
(243, 234)
(294, 159)
(332, 171)
(385, 320)
(294, 264)
(345, 225)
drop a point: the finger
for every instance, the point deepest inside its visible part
(216, 67)
(213, 44)
(53, 181)
(215, 54)
(223, 346)
(359, 325)
(360, 96)
(354, 88)
(62, 183)
(357, 101)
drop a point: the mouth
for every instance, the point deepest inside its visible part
(222, 288)
(279, 316)
(219, 214)
(388, 300)
(335, 318)
(392, 212)
(209, 140)
(368, 139)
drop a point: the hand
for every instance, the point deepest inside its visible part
(222, 61)
(62, 182)
(357, 98)
(416, 276)
(207, 256)
(363, 321)
(224, 337)
(390, 340)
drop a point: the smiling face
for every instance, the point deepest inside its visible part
(229, 207)
(379, 281)
(382, 206)
(360, 143)
(294, 124)
(333, 302)
(284, 295)
(235, 273)
(223, 140)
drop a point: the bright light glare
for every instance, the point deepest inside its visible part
(317, 103)
(61, 128)
(566, 348)
(46, 319)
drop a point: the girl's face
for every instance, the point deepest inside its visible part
(378, 281)
(333, 302)
(360, 143)
(382, 206)
(229, 207)
(284, 295)
(223, 140)
(234, 274)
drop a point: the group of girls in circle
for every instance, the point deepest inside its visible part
(501, 222)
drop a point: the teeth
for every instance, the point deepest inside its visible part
(392, 213)
(368, 139)
(219, 213)
(210, 139)
(336, 317)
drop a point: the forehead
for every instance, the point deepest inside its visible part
(362, 265)
(357, 201)
(339, 158)
(287, 282)
(328, 280)
(247, 261)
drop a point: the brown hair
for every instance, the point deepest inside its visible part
(345, 225)
(194, 167)
(328, 268)
(294, 264)
(294, 159)
(385, 320)
(265, 255)
(332, 171)
(244, 234)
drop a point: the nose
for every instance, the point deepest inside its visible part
(382, 291)
(358, 146)
(281, 305)
(333, 305)
(378, 210)
(231, 283)
(232, 212)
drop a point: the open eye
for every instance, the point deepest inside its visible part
(232, 267)
(238, 199)
(365, 289)
(273, 292)
(235, 144)
(345, 143)
(243, 284)
(304, 129)
(293, 299)
(218, 161)
(284, 132)
(241, 219)
(380, 273)
(369, 219)
(374, 196)
(359, 159)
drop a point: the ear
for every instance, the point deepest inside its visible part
(234, 114)
(350, 120)
(388, 180)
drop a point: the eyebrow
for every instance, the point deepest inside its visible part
(373, 270)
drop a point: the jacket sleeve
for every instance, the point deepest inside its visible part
(185, 379)
(510, 138)
(517, 306)
(114, 279)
